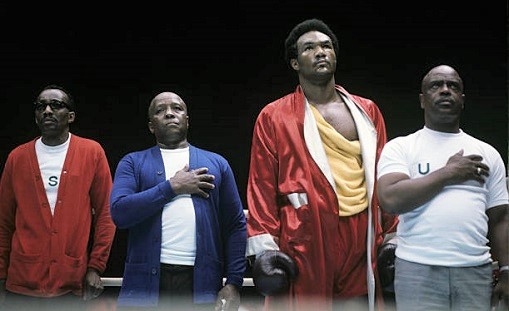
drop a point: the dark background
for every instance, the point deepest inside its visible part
(226, 60)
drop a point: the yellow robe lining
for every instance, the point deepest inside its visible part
(345, 161)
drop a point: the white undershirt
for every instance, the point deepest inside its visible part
(51, 161)
(178, 243)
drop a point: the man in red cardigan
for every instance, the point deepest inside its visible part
(54, 192)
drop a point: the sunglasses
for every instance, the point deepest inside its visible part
(53, 104)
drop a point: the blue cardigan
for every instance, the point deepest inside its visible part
(141, 189)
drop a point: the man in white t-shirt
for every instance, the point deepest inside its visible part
(449, 190)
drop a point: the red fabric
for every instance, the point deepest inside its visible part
(330, 251)
(48, 256)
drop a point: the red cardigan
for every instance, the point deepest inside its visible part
(43, 255)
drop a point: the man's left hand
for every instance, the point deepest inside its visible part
(228, 299)
(500, 295)
(92, 286)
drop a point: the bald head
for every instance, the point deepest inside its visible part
(442, 70)
(442, 99)
(168, 120)
(165, 97)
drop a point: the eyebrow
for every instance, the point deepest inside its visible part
(315, 42)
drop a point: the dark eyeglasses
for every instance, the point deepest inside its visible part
(53, 104)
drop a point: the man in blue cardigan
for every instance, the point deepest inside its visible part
(185, 220)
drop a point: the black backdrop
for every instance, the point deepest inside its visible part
(226, 60)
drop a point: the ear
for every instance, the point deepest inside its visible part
(150, 127)
(187, 121)
(462, 101)
(71, 116)
(421, 100)
(294, 64)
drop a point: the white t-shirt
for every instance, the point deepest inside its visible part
(178, 244)
(451, 229)
(51, 161)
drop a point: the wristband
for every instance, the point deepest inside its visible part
(503, 268)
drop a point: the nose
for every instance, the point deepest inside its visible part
(169, 113)
(320, 50)
(445, 88)
(47, 109)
